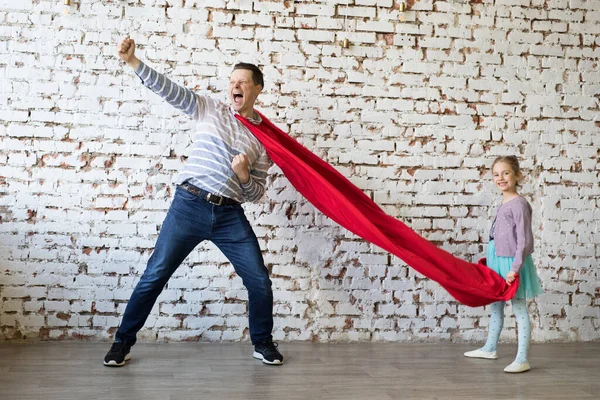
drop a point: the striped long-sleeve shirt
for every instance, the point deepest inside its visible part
(218, 137)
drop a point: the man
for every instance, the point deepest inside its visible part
(227, 166)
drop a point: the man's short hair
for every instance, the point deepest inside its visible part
(257, 75)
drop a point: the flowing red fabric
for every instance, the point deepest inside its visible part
(335, 196)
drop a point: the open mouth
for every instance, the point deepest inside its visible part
(238, 98)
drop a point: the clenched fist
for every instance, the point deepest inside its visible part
(239, 165)
(126, 52)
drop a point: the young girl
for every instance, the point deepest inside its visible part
(509, 254)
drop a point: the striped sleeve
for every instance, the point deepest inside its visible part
(178, 96)
(254, 189)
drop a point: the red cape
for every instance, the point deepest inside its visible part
(335, 196)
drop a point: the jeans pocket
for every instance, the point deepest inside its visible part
(185, 195)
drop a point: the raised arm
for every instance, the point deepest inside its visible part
(178, 96)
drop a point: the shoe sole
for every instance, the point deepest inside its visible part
(517, 372)
(259, 356)
(113, 363)
(482, 357)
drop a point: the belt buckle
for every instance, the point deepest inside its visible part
(216, 203)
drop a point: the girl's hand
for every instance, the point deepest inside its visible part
(510, 277)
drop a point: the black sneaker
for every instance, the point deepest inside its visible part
(268, 353)
(117, 355)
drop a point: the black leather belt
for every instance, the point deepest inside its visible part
(211, 198)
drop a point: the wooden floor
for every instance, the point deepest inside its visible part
(179, 371)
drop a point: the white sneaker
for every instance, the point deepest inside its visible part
(490, 355)
(516, 367)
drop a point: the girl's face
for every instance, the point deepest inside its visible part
(505, 178)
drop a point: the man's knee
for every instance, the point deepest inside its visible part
(260, 285)
(155, 277)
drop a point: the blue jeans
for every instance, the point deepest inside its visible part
(191, 220)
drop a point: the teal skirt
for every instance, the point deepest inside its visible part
(529, 283)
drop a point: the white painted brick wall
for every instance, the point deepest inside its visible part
(413, 112)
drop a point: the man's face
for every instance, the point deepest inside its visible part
(243, 92)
